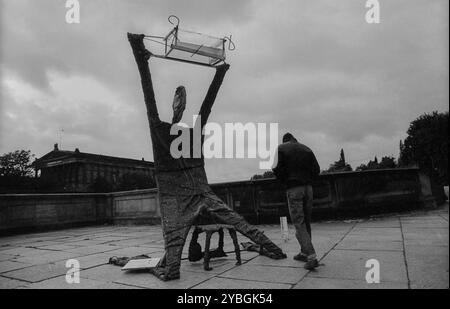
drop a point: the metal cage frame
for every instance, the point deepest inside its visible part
(170, 44)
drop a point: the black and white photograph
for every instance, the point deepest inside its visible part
(233, 152)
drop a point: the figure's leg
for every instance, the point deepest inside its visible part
(177, 218)
(220, 245)
(219, 210)
(169, 269)
(237, 250)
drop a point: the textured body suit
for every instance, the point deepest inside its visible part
(183, 189)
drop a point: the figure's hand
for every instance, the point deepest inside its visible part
(147, 54)
(135, 37)
(137, 42)
(223, 67)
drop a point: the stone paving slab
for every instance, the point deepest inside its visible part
(292, 248)
(56, 247)
(6, 266)
(428, 266)
(264, 273)
(426, 236)
(23, 251)
(218, 266)
(380, 236)
(425, 224)
(377, 233)
(382, 223)
(91, 249)
(60, 283)
(134, 251)
(93, 260)
(7, 283)
(144, 280)
(349, 244)
(227, 283)
(351, 264)
(331, 283)
(37, 273)
(134, 242)
(47, 257)
(5, 257)
(110, 273)
(412, 249)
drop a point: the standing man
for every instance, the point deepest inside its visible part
(297, 167)
(183, 189)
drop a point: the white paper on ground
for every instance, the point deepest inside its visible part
(141, 264)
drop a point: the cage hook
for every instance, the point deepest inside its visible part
(170, 19)
(231, 45)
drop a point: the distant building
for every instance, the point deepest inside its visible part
(76, 171)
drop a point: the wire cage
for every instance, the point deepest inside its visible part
(192, 47)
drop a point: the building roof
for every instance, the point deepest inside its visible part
(62, 157)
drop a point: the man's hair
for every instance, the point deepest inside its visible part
(288, 137)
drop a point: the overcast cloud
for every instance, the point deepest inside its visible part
(315, 67)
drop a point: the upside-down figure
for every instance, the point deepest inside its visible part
(183, 189)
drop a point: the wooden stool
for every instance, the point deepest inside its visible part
(209, 230)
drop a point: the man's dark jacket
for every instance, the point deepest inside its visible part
(297, 165)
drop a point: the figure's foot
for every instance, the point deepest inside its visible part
(272, 252)
(207, 268)
(238, 263)
(283, 256)
(276, 255)
(301, 257)
(162, 274)
(311, 264)
(147, 54)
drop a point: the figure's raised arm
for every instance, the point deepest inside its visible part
(142, 55)
(208, 102)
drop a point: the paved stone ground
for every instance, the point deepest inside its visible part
(412, 250)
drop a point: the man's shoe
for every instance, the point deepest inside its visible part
(301, 257)
(311, 264)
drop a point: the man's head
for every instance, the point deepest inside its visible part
(179, 104)
(288, 137)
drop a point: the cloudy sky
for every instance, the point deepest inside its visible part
(313, 66)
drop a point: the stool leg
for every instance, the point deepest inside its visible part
(237, 250)
(207, 246)
(220, 246)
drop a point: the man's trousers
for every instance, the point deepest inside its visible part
(300, 201)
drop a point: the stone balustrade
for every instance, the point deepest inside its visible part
(335, 195)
